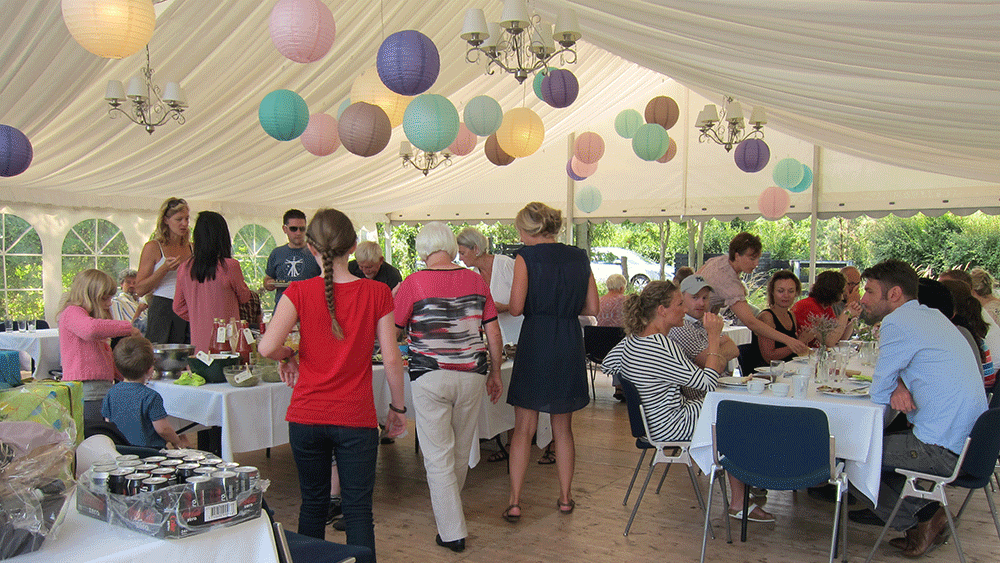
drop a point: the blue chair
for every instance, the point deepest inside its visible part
(973, 470)
(294, 547)
(796, 451)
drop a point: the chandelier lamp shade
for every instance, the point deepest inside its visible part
(588, 147)
(752, 155)
(560, 88)
(423, 161)
(408, 62)
(146, 105)
(364, 129)
(283, 114)
(650, 141)
(520, 44)
(431, 123)
(302, 30)
(15, 151)
(483, 115)
(521, 133)
(464, 143)
(113, 29)
(727, 126)
(321, 137)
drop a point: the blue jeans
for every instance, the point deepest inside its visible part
(357, 450)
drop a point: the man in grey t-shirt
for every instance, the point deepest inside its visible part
(292, 261)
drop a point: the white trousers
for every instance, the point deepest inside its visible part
(447, 407)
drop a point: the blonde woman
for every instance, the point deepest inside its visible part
(611, 302)
(157, 277)
(982, 290)
(85, 325)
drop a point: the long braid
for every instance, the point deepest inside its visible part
(330, 305)
(332, 235)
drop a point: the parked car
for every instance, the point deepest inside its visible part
(606, 260)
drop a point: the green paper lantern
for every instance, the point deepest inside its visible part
(807, 180)
(343, 106)
(483, 115)
(283, 114)
(536, 84)
(431, 122)
(650, 141)
(588, 199)
(788, 173)
(627, 122)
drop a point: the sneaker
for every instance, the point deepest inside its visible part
(334, 511)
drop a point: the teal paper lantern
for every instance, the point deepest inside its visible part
(283, 114)
(627, 122)
(788, 173)
(431, 122)
(536, 84)
(588, 199)
(343, 106)
(650, 141)
(807, 180)
(483, 115)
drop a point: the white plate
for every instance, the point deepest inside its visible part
(738, 381)
(840, 392)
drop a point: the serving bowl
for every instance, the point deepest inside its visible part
(234, 375)
(171, 359)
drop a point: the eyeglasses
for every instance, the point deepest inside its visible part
(295, 229)
(853, 284)
(174, 202)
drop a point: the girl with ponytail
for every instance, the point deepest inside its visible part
(332, 411)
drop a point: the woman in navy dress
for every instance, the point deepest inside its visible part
(553, 286)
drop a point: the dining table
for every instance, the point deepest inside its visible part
(42, 346)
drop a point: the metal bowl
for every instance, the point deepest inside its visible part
(171, 359)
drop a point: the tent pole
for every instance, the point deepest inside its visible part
(387, 242)
(813, 218)
(701, 245)
(570, 184)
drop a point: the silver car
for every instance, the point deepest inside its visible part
(606, 260)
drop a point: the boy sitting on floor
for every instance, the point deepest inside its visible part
(135, 409)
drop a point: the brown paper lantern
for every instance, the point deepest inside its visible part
(662, 110)
(495, 154)
(671, 152)
(364, 129)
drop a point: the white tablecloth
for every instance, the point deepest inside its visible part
(855, 422)
(42, 346)
(84, 539)
(251, 418)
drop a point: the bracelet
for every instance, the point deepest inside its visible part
(393, 408)
(290, 356)
(716, 354)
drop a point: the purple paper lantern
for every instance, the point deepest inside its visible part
(571, 174)
(408, 62)
(560, 88)
(15, 151)
(752, 155)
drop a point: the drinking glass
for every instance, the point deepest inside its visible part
(21, 325)
(777, 368)
(9, 325)
(31, 325)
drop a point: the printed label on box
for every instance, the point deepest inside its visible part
(219, 511)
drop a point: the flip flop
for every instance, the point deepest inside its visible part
(548, 458)
(566, 508)
(498, 456)
(512, 518)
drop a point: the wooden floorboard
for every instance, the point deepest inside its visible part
(666, 528)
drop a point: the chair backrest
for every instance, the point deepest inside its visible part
(41, 324)
(773, 440)
(749, 358)
(633, 402)
(984, 447)
(599, 340)
(995, 397)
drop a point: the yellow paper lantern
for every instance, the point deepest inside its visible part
(521, 133)
(113, 29)
(369, 88)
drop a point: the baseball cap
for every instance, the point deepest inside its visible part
(694, 284)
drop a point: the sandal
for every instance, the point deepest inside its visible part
(548, 458)
(566, 507)
(498, 456)
(757, 514)
(512, 518)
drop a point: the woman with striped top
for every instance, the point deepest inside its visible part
(658, 368)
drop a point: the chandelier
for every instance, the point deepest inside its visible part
(149, 108)
(421, 160)
(520, 44)
(726, 126)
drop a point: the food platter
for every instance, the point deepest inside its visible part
(738, 381)
(842, 392)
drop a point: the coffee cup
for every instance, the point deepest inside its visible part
(800, 386)
(779, 389)
(756, 386)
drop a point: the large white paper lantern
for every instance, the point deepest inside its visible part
(113, 29)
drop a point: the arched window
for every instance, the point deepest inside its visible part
(21, 260)
(93, 243)
(251, 246)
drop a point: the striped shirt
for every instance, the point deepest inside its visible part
(658, 368)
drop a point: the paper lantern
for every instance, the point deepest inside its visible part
(283, 114)
(670, 154)
(408, 62)
(627, 122)
(302, 30)
(364, 129)
(650, 141)
(494, 153)
(571, 174)
(581, 168)
(588, 199)
(560, 88)
(788, 173)
(807, 180)
(521, 132)
(464, 143)
(536, 84)
(343, 106)
(431, 122)
(589, 147)
(369, 88)
(15, 151)
(483, 115)
(662, 110)
(773, 203)
(113, 29)
(321, 137)
(752, 155)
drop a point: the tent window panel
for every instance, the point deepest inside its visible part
(251, 247)
(20, 269)
(93, 243)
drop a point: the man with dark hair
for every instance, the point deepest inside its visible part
(924, 370)
(292, 261)
(723, 274)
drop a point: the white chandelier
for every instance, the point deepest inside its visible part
(421, 160)
(149, 108)
(726, 127)
(520, 44)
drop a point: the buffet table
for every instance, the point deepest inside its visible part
(41, 345)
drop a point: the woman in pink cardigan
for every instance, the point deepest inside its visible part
(210, 284)
(85, 325)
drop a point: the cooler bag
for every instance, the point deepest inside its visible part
(24, 401)
(10, 368)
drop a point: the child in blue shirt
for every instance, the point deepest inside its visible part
(135, 409)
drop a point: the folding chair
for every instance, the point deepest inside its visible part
(293, 547)
(597, 342)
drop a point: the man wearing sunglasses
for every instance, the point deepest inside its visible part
(292, 261)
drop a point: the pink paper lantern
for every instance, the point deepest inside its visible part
(321, 136)
(670, 154)
(571, 174)
(582, 168)
(302, 30)
(464, 143)
(364, 129)
(773, 203)
(589, 147)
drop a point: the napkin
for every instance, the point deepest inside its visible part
(188, 378)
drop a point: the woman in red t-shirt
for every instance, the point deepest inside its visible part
(825, 291)
(332, 412)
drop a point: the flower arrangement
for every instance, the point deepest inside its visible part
(823, 326)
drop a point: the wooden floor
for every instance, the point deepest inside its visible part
(667, 527)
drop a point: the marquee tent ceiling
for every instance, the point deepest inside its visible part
(903, 98)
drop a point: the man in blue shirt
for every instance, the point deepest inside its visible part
(924, 370)
(292, 261)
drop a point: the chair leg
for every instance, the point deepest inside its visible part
(697, 494)
(962, 508)
(746, 512)
(664, 478)
(725, 503)
(708, 515)
(838, 525)
(638, 501)
(951, 525)
(593, 377)
(993, 509)
(885, 529)
(634, 474)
